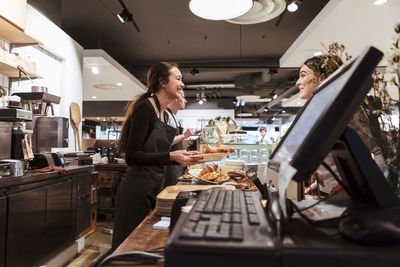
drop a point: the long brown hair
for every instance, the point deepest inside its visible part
(324, 65)
(157, 73)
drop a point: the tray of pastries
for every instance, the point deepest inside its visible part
(216, 153)
(211, 174)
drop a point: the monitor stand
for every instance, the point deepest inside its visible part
(363, 180)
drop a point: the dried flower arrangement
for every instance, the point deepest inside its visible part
(376, 112)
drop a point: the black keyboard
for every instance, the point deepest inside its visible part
(222, 223)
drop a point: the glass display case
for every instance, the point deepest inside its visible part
(251, 154)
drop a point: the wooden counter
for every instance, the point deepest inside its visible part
(144, 237)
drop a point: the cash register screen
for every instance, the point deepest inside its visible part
(326, 114)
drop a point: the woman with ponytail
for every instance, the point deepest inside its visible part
(145, 140)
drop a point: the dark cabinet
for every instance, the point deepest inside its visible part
(59, 223)
(3, 223)
(26, 227)
(83, 190)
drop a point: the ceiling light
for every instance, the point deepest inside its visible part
(265, 109)
(124, 15)
(95, 70)
(119, 84)
(274, 96)
(98, 118)
(94, 97)
(318, 53)
(283, 111)
(380, 2)
(292, 7)
(262, 10)
(220, 9)
(244, 115)
(104, 119)
(201, 101)
(243, 103)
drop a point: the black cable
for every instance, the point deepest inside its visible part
(134, 257)
(329, 169)
(321, 200)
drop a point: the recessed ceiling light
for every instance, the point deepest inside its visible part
(292, 7)
(95, 70)
(98, 118)
(201, 101)
(220, 9)
(104, 119)
(119, 84)
(244, 115)
(318, 53)
(380, 2)
(106, 86)
(94, 97)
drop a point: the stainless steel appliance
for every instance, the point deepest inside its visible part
(5, 169)
(50, 132)
(5, 140)
(17, 167)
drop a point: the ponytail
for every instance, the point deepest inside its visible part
(158, 72)
(128, 110)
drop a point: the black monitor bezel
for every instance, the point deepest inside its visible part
(325, 132)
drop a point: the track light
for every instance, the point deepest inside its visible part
(125, 15)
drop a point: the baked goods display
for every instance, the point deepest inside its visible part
(211, 173)
(238, 132)
(217, 153)
(236, 174)
(219, 148)
(245, 184)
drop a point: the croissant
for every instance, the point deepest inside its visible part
(208, 169)
(224, 148)
(207, 149)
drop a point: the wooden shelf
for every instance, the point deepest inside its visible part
(14, 35)
(11, 71)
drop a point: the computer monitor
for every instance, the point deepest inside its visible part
(324, 118)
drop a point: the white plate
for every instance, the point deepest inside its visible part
(197, 179)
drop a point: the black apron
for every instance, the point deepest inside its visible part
(174, 171)
(137, 191)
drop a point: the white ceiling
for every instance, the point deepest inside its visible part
(353, 23)
(110, 73)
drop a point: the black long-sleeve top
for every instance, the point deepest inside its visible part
(140, 126)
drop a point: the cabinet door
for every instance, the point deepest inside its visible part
(83, 202)
(59, 215)
(3, 219)
(26, 227)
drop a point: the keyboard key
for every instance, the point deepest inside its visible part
(226, 217)
(237, 218)
(237, 232)
(253, 219)
(194, 216)
(251, 209)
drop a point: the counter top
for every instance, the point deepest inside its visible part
(37, 177)
(144, 237)
(111, 167)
